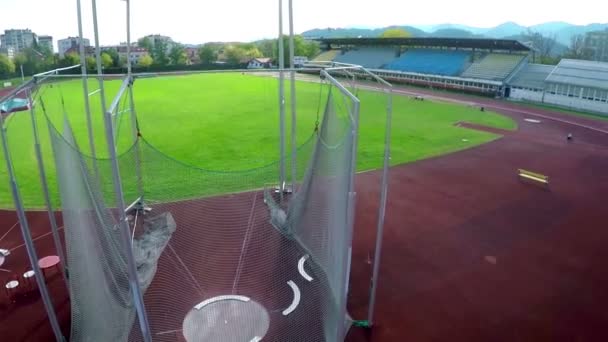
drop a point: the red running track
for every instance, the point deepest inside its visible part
(470, 252)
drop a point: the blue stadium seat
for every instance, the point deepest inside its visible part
(368, 57)
(431, 61)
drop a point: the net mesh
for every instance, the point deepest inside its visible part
(210, 240)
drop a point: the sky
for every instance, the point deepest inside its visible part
(199, 21)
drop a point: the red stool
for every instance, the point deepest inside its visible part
(12, 289)
(28, 280)
(48, 262)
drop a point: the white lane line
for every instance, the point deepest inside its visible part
(296, 298)
(219, 298)
(256, 339)
(301, 268)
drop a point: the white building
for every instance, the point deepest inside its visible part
(65, 44)
(156, 38)
(17, 39)
(46, 42)
(9, 52)
(574, 84)
(135, 56)
(299, 61)
(259, 63)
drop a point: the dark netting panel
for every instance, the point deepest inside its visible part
(221, 255)
(101, 302)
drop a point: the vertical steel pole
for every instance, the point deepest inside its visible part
(352, 203)
(382, 210)
(294, 149)
(102, 93)
(27, 237)
(125, 231)
(134, 129)
(45, 191)
(85, 87)
(128, 37)
(281, 102)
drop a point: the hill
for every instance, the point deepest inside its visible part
(562, 31)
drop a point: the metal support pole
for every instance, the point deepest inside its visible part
(102, 93)
(292, 78)
(347, 256)
(45, 192)
(281, 102)
(27, 237)
(134, 129)
(128, 37)
(85, 87)
(382, 210)
(352, 203)
(125, 231)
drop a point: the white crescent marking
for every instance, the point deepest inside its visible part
(296, 298)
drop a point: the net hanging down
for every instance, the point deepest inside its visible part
(216, 260)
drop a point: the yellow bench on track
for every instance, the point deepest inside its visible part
(537, 177)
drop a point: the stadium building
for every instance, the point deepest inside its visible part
(490, 67)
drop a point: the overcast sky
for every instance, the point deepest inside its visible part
(198, 21)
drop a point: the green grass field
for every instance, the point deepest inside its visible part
(230, 122)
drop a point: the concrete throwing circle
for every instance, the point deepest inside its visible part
(226, 318)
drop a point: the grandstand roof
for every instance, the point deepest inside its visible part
(532, 76)
(580, 73)
(465, 43)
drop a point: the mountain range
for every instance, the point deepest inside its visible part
(561, 31)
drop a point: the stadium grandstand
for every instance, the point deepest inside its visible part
(494, 66)
(469, 65)
(490, 67)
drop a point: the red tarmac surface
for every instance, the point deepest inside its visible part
(471, 253)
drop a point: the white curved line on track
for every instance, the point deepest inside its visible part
(296, 298)
(301, 268)
(219, 298)
(256, 339)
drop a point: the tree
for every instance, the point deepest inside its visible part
(7, 67)
(106, 60)
(234, 54)
(91, 63)
(395, 32)
(544, 45)
(145, 61)
(146, 43)
(302, 47)
(578, 49)
(207, 54)
(252, 52)
(69, 60)
(177, 55)
(159, 52)
(266, 47)
(114, 55)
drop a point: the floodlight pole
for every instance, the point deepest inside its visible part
(45, 191)
(27, 236)
(292, 74)
(85, 87)
(281, 102)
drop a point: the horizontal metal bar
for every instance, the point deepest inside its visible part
(177, 73)
(339, 86)
(133, 205)
(55, 71)
(377, 78)
(121, 91)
